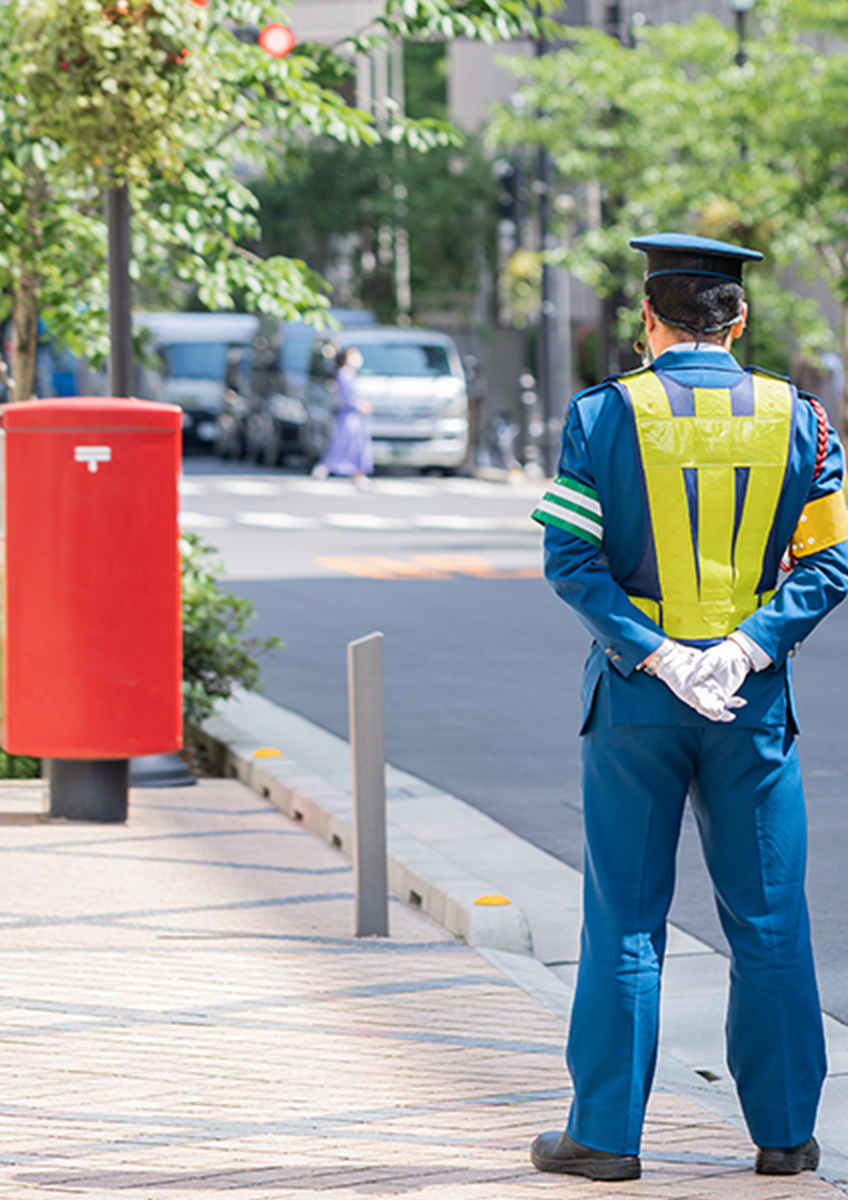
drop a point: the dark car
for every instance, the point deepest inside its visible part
(273, 421)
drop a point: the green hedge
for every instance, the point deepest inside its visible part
(19, 766)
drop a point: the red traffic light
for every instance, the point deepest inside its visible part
(277, 40)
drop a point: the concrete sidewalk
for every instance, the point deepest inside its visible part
(185, 1011)
(443, 853)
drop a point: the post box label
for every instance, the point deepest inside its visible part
(93, 456)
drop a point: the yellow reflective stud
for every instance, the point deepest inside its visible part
(267, 752)
(493, 901)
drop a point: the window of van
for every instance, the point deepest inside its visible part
(195, 360)
(297, 348)
(403, 358)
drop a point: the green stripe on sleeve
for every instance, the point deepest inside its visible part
(572, 506)
(580, 524)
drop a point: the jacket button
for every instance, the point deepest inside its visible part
(616, 658)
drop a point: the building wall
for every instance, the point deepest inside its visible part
(476, 80)
(329, 20)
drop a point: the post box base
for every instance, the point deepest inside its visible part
(85, 790)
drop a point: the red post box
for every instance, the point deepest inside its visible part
(92, 647)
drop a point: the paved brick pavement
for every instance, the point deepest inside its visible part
(184, 1011)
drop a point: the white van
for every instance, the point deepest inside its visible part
(415, 381)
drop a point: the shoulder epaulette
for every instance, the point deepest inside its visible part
(609, 382)
(629, 374)
(768, 374)
(590, 391)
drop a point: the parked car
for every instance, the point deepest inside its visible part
(273, 421)
(201, 356)
(235, 402)
(415, 382)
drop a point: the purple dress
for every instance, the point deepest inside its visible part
(349, 451)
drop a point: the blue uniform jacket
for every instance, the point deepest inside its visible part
(599, 449)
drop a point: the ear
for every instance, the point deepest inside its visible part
(649, 316)
(738, 329)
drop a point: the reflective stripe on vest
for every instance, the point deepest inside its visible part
(713, 483)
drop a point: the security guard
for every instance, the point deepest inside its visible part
(681, 487)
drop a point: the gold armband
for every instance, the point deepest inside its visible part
(823, 523)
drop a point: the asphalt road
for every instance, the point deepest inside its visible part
(482, 660)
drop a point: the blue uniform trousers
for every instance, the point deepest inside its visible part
(746, 791)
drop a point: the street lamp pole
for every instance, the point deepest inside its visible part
(740, 9)
(120, 304)
(82, 789)
(549, 374)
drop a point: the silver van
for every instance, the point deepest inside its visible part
(415, 382)
(198, 356)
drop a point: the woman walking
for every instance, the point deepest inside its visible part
(349, 451)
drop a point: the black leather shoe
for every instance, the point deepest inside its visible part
(790, 1161)
(560, 1153)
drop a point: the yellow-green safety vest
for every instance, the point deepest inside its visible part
(713, 482)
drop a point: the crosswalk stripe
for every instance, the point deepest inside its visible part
(423, 566)
(277, 520)
(196, 520)
(274, 519)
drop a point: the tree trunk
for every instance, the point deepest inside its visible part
(25, 314)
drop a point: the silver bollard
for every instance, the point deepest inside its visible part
(368, 754)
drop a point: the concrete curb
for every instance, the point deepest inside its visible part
(418, 874)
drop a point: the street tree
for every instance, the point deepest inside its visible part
(330, 201)
(160, 94)
(673, 134)
(52, 236)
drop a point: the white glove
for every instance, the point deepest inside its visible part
(722, 670)
(677, 665)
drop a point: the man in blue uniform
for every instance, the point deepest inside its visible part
(681, 487)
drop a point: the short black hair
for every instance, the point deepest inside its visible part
(700, 304)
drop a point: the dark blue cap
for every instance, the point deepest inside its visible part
(682, 254)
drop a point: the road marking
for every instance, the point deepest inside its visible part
(463, 564)
(196, 520)
(423, 566)
(277, 520)
(456, 521)
(364, 521)
(273, 519)
(373, 566)
(482, 487)
(249, 487)
(415, 487)
(323, 487)
(401, 487)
